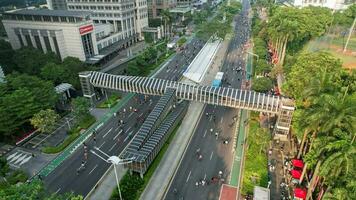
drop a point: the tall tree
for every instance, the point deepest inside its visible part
(80, 106)
(6, 53)
(306, 68)
(30, 61)
(22, 97)
(45, 120)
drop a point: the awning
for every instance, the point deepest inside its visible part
(296, 174)
(300, 193)
(297, 163)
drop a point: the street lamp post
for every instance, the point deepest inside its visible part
(114, 160)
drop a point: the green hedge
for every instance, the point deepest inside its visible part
(131, 185)
(112, 101)
(73, 134)
(255, 169)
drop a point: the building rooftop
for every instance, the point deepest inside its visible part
(55, 13)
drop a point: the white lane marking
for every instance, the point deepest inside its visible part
(210, 118)
(12, 155)
(140, 115)
(59, 189)
(188, 176)
(211, 155)
(116, 129)
(130, 114)
(117, 135)
(93, 169)
(128, 129)
(20, 159)
(25, 160)
(205, 133)
(107, 133)
(204, 176)
(128, 136)
(221, 119)
(101, 144)
(112, 146)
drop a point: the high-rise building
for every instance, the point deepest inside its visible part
(57, 4)
(156, 6)
(66, 33)
(63, 32)
(126, 17)
(332, 4)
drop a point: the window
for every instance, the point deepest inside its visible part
(87, 45)
(108, 7)
(56, 46)
(38, 42)
(46, 18)
(63, 19)
(28, 17)
(78, 7)
(93, 7)
(55, 19)
(20, 39)
(47, 43)
(28, 40)
(37, 18)
(71, 19)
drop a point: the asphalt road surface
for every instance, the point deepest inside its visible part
(200, 177)
(70, 176)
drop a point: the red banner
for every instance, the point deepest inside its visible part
(85, 29)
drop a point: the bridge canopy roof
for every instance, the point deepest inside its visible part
(199, 66)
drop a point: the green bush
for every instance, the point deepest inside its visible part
(110, 102)
(255, 169)
(181, 41)
(72, 135)
(17, 176)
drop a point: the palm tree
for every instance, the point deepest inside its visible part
(167, 18)
(335, 156)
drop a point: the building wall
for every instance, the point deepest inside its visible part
(57, 4)
(67, 35)
(332, 4)
(155, 7)
(141, 19)
(119, 13)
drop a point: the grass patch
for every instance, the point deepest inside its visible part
(131, 185)
(73, 134)
(110, 102)
(255, 169)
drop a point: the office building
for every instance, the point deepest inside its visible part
(332, 4)
(62, 32)
(66, 33)
(156, 6)
(126, 17)
(57, 4)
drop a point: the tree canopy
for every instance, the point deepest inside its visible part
(306, 68)
(45, 120)
(33, 190)
(23, 96)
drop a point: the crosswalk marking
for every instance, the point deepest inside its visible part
(18, 158)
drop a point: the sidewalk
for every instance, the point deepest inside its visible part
(277, 172)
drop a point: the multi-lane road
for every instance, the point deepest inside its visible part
(110, 138)
(201, 178)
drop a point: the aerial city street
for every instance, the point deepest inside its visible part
(177, 100)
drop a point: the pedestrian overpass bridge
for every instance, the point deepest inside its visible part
(220, 96)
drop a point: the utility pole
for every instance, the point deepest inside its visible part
(115, 161)
(350, 33)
